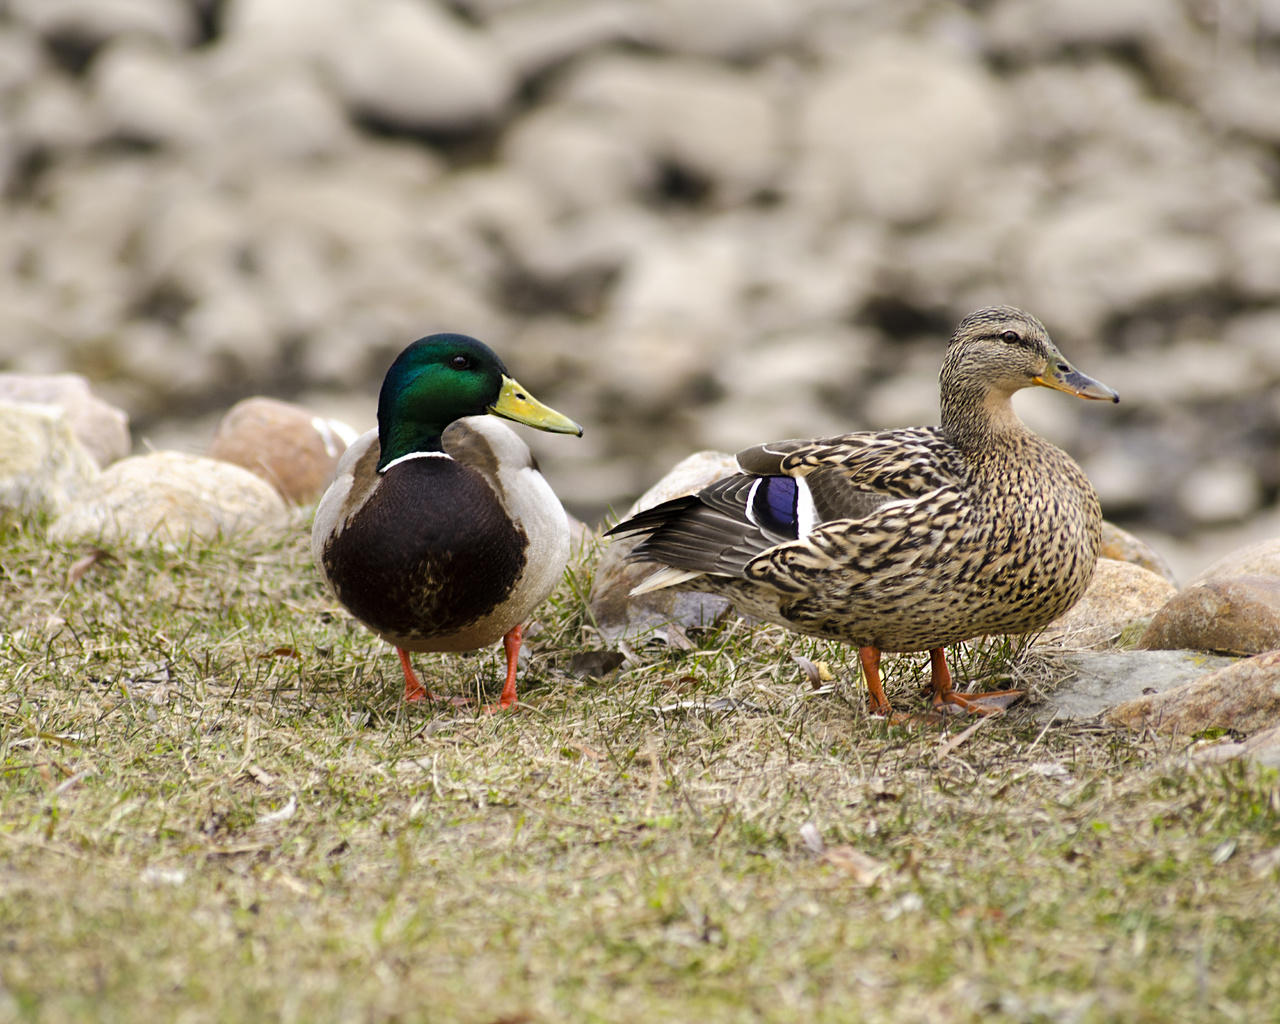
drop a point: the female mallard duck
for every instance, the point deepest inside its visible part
(438, 532)
(902, 540)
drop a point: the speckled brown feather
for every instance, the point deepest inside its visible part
(924, 536)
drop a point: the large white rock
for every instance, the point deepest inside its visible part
(278, 109)
(577, 157)
(674, 308)
(720, 124)
(20, 58)
(170, 498)
(52, 113)
(734, 29)
(895, 130)
(1092, 258)
(536, 37)
(150, 94)
(42, 465)
(409, 64)
(1253, 247)
(1037, 27)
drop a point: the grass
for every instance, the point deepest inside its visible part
(214, 807)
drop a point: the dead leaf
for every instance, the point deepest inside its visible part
(82, 565)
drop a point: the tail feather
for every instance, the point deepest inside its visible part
(668, 576)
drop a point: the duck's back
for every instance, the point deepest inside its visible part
(1004, 544)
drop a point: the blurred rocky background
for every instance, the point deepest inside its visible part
(686, 223)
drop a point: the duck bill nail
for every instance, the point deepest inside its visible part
(1073, 382)
(515, 403)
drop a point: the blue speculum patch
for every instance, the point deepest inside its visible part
(773, 504)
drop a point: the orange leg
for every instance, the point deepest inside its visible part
(413, 688)
(870, 658)
(511, 645)
(979, 703)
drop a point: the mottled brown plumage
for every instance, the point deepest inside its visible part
(903, 540)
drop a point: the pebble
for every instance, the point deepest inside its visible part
(288, 446)
(170, 498)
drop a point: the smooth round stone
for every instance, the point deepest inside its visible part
(896, 131)
(414, 66)
(1237, 614)
(170, 498)
(288, 446)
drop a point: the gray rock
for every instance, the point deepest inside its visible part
(149, 94)
(537, 37)
(170, 498)
(1220, 491)
(720, 125)
(1091, 682)
(42, 465)
(411, 65)
(1244, 696)
(675, 306)
(1038, 27)
(736, 29)
(101, 428)
(896, 132)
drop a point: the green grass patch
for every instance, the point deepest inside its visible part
(215, 807)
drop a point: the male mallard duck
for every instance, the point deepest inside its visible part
(902, 540)
(438, 532)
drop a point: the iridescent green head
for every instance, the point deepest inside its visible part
(442, 378)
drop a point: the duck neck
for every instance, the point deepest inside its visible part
(399, 438)
(977, 417)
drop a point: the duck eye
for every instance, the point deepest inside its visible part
(460, 363)
(1011, 336)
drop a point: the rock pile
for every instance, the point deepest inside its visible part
(691, 223)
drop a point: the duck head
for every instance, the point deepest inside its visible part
(442, 378)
